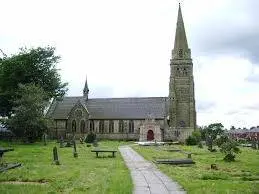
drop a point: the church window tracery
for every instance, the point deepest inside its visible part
(101, 126)
(82, 126)
(78, 113)
(91, 125)
(111, 126)
(73, 126)
(121, 126)
(131, 126)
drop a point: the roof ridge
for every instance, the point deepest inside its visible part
(116, 97)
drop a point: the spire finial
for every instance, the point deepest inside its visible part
(180, 42)
(86, 89)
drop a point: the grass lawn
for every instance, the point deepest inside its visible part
(241, 176)
(85, 174)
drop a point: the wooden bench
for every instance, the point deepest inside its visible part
(97, 151)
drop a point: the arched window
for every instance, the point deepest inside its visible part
(131, 126)
(101, 126)
(91, 125)
(121, 126)
(73, 126)
(111, 126)
(82, 126)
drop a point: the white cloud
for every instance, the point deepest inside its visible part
(124, 47)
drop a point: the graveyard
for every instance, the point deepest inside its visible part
(241, 176)
(86, 173)
(82, 174)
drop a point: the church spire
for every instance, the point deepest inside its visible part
(180, 44)
(86, 89)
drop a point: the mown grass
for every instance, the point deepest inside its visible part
(241, 176)
(85, 174)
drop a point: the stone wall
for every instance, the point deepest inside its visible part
(60, 128)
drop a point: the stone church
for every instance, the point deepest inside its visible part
(143, 119)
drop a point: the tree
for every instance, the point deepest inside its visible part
(28, 120)
(230, 148)
(194, 139)
(203, 132)
(213, 131)
(36, 66)
(221, 140)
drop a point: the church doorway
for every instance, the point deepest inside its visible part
(150, 135)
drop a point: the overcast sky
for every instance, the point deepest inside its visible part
(124, 48)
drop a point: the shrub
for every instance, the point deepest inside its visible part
(197, 135)
(194, 139)
(230, 149)
(191, 141)
(90, 138)
(200, 145)
(250, 178)
(215, 176)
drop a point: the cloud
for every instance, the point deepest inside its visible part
(254, 107)
(230, 29)
(205, 106)
(124, 47)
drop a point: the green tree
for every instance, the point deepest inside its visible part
(36, 66)
(230, 148)
(213, 131)
(28, 121)
(203, 132)
(221, 140)
(194, 139)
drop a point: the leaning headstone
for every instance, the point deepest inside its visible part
(74, 151)
(55, 156)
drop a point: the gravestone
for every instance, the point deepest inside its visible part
(81, 139)
(61, 142)
(253, 144)
(44, 137)
(55, 156)
(74, 149)
(95, 143)
(214, 167)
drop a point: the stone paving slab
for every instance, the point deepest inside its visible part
(147, 179)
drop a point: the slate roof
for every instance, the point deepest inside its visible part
(112, 108)
(253, 130)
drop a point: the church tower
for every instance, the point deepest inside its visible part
(86, 90)
(182, 113)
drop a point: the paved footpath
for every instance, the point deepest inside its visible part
(147, 179)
